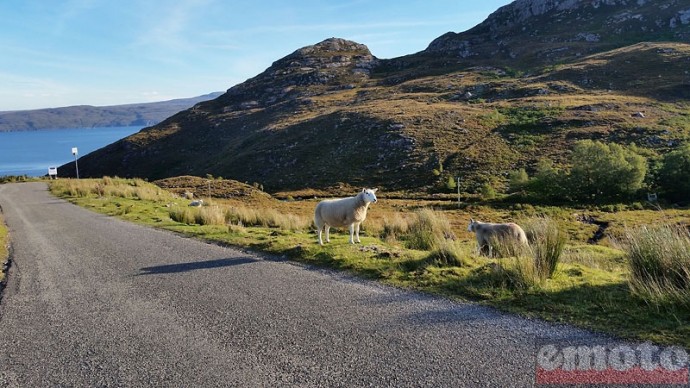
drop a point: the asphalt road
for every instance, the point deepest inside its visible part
(94, 301)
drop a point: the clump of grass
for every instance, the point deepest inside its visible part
(266, 217)
(518, 274)
(500, 246)
(530, 266)
(182, 214)
(547, 242)
(209, 215)
(447, 254)
(109, 187)
(659, 263)
(428, 231)
(4, 253)
(394, 227)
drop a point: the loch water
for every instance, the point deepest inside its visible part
(32, 152)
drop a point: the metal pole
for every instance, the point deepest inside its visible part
(75, 152)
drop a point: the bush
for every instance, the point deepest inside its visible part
(605, 171)
(488, 191)
(659, 263)
(674, 174)
(518, 180)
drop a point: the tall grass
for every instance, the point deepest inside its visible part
(428, 230)
(531, 266)
(238, 216)
(659, 263)
(266, 217)
(110, 187)
(547, 242)
(394, 228)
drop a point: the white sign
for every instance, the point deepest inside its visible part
(74, 151)
(52, 171)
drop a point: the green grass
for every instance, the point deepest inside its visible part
(4, 252)
(589, 287)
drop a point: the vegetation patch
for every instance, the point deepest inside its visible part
(561, 278)
(4, 248)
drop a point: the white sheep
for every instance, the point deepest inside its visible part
(197, 203)
(486, 232)
(339, 213)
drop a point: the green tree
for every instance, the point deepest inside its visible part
(488, 191)
(518, 180)
(605, 171)
(674, 174)
(547, 182)
(451, 185)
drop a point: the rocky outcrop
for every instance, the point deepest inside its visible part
(533, 32)
(332, 64)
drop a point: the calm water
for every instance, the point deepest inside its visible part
(32, 152)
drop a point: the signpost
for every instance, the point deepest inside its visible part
(75, 152)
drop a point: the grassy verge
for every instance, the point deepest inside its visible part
(4, 252)
(590, 286)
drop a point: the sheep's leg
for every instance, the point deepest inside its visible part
(357, 233)
(352, 233)
(328, 232)
(320, 240)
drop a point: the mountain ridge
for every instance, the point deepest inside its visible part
(88, 116)
(333, 112)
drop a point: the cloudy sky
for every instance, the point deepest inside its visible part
(104, 52)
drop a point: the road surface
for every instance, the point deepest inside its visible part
(94, 301)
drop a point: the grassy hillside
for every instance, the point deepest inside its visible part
(477, 124)
(526, 84)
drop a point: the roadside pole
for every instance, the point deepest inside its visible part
(75, 152)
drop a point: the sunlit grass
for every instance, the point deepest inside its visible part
(589, 288)
(4, 252)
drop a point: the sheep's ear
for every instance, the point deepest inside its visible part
(363, 190)
(375, 190)
(471, 220)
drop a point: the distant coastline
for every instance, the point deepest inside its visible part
(87, 116)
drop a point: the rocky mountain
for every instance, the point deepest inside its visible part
(525, 84)
(86, 116)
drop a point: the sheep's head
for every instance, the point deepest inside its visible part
(470, 227)
(369, 195)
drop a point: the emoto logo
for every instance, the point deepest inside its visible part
(623, 364)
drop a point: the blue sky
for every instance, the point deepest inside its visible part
(105, 52)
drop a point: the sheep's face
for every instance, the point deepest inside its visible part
(369, 195)
(470, 227)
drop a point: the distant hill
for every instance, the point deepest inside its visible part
(86, 116)
(525, 84)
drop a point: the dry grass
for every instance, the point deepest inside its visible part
(266, 217)
(110, 187)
